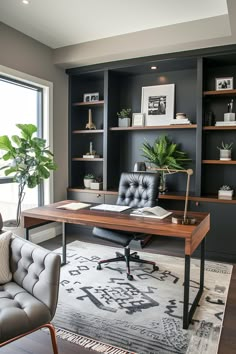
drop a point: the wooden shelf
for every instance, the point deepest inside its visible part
(180, 126)
(87, 159)
(87, 104)
(226, 127)
(219, 162)
(220, 93)
(83, 131)
(215, 199)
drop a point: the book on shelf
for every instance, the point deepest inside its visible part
(180, 121)
(155, 212)
(225, 123)
(91, 156)
(73, 206)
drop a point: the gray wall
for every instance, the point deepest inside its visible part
(22, 53)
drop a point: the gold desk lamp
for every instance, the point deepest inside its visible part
(176, 219)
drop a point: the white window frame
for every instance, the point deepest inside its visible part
(47, 87)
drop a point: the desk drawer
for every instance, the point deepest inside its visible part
(87, 197)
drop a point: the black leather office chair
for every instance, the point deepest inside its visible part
(136, 190)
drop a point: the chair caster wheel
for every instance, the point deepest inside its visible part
(130, 277)
(136, 256)
(99, 267)
(155, 268)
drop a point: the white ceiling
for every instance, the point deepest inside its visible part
(59, 23)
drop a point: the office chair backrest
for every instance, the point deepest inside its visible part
(138, 189)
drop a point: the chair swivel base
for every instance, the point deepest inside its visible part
(129, 257)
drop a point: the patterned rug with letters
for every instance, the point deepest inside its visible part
(142, 316)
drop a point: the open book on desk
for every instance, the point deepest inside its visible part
(155, 212)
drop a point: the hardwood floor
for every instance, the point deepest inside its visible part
(40, 342)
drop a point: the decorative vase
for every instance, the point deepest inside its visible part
(124, 122)
(162, 184)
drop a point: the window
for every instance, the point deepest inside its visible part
(19, 103)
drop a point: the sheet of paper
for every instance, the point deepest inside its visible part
(110, 207)
(74, 206)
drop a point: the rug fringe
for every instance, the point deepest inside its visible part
(90, 343)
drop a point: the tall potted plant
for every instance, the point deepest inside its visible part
(166, 155)
(29, 161)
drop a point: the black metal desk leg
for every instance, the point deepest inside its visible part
(63, 243)
(203, 243)
(186, 292)
(27, 234)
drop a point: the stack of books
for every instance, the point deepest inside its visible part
(225, 123)
(180, 121)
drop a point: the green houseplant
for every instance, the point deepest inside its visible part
(88, 179)
(124, 117)
(29, 160)
(225, 151)
(166, 155)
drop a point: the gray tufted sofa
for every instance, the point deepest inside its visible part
(29, 301)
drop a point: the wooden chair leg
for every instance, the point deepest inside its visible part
(53, 337)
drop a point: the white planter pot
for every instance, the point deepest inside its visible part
(87, 182)
(96, 185)
(225, 155)
(225, 194)
(124, 122)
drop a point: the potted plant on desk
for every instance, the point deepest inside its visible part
(29, 162)
(166, 155)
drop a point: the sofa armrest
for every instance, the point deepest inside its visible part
(37, 270)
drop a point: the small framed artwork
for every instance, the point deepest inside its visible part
(224, 83)
(91, 97)
(138, 120)
(158, 104)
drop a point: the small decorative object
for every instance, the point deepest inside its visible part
(180, 118)
(229, 116)
(92, 153)
(209, 119)
(225, 151)
(165, 155)
(90, 124)
(158, 104)
(96, 185)
(140, 166)
(224, 83)
(91, 97)
(88, 179)
(124, 117)
(138, 120)
(225, 192)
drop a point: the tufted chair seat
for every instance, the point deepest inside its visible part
(136, 190)
(29, 301)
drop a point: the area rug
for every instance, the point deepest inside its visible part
(142, 316)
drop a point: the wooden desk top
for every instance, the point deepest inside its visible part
(121, 221)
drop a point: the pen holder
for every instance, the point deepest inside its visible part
(229, 117)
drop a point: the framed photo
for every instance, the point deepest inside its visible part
(224, 83)
(91, 97)
(158, 104)
(138, 120)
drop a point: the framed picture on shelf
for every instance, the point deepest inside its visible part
(158, 104)
(138, 120)
(91, 97)
(224, 83)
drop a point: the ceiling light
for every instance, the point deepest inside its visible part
(25, 2)
(153, 67)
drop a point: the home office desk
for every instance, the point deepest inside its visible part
(193, 235)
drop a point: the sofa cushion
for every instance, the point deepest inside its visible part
(5, 273)
(20, 312)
